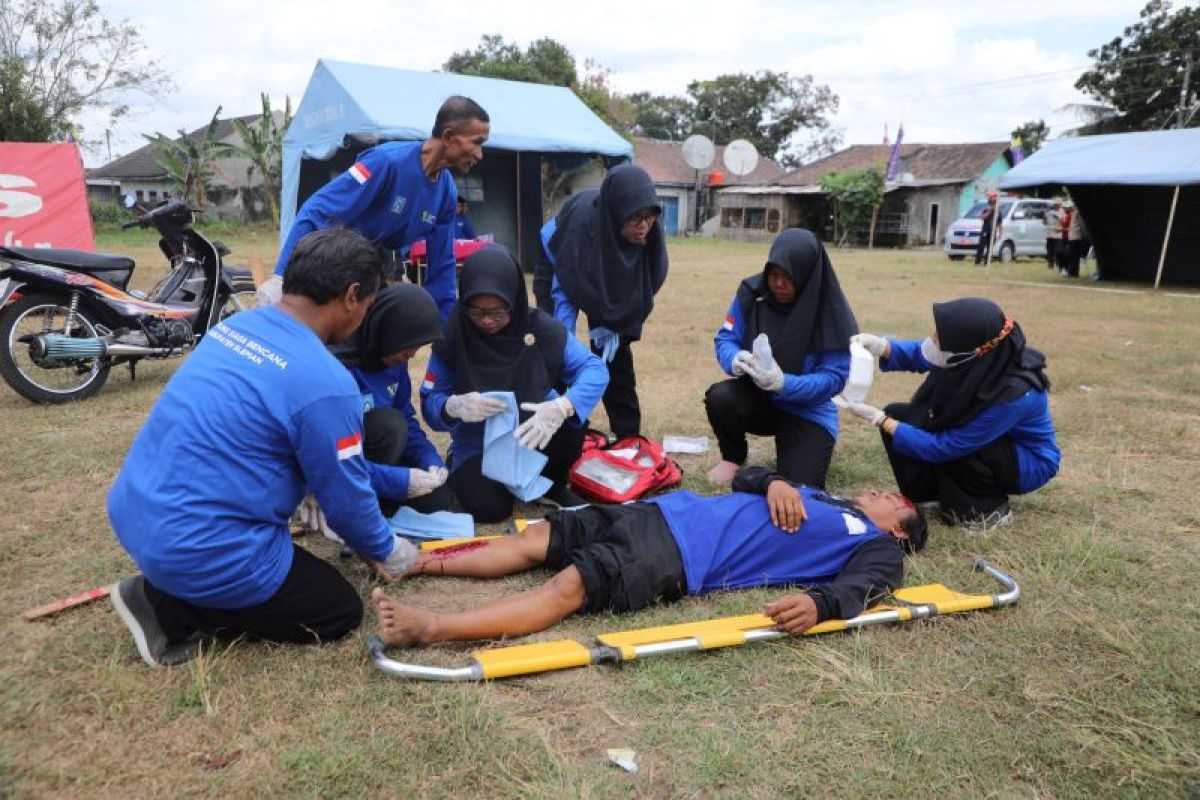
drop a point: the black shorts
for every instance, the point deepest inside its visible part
(626, 555)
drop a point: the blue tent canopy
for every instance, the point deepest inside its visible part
(1137, 193)
(1157, 158)
(374, 104)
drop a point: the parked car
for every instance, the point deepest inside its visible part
(1022, 230)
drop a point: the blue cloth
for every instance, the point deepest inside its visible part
(729, 542)
(584, 374)
(203, 499)
(506, 460)
(386, 196)
(807, 395)
(438, 525)
(1025, 420)
(391, 388)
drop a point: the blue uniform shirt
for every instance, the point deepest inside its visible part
(565, 311)
(259, 415)
(729, 542)
(463, 228)
(387, 197)
(1025, 420)
(390, 387)
(807, 395)
(584, 374)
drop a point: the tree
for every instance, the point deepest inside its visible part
(661, 116)
(188, 160)
(854, 195)
(1141, 74)
(770, 109)
(62, 58)
(262, 143)
(1032, 135)
(544, 61)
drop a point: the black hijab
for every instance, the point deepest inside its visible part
(1007, 369)
(819, 319)
(611, 280)
(402, 316)
(523, 357)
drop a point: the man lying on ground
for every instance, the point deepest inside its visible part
(624, 558)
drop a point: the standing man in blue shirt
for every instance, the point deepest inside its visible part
(462, 226)
(399, 192)
(260, 415)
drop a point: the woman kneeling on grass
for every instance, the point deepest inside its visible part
(978, 429)
(495, 343)
(797, 303)
(767, 532)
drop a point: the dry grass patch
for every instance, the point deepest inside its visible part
(1088, 687)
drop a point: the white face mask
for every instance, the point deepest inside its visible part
(937, 357)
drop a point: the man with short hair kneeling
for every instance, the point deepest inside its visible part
(623, 558)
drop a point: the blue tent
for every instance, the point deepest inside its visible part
(1138, 193)
(349, 107)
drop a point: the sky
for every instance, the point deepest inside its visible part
(949, 71)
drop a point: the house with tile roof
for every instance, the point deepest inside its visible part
(934, 185)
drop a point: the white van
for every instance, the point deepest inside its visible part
(1022, 230)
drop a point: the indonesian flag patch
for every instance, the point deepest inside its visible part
(349, 446)
(728, 325)
(430, 380)
(359, 172)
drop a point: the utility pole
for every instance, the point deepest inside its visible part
(1183, 92)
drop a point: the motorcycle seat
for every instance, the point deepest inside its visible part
(77, 260)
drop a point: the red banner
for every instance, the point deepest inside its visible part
(43, 199)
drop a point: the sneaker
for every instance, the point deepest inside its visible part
(133, 606)
(561, 496)
(981, 523)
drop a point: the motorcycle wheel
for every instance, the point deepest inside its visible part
(243, 298)
(47, 313)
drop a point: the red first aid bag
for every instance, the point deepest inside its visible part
(627, 469)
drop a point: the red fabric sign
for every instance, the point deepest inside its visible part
(43, 199)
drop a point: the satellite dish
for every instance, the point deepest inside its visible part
(740, 157)
(698, 151)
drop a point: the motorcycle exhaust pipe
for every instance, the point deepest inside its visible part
(56, 347)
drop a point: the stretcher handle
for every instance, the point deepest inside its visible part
(1013, 589)
(402, 670)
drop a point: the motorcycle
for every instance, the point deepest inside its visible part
(67, 317)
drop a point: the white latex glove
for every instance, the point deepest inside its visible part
(865, 411)
(270, 291)
(742, 363)
(875, 345)
(537, 431)
(423, 481)
(473, 407)
(312, 518)
(401, 559)
(606, 342)
(769, 379)
(763, 356)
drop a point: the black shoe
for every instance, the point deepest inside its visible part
(561, 496)
(133, 606)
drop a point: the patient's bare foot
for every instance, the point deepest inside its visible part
(401, 625)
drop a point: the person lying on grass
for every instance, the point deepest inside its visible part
(624, 558)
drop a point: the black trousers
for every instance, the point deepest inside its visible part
(968, 487)
(385, 435)
(488, 500)
(620, 396)
(737, 407)
(314, 604)
(1075, 248)
(985, 243)
(1052, 246)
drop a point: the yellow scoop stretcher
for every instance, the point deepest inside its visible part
(904, 605)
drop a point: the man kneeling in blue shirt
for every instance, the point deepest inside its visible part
(623, 558)
(258, 416)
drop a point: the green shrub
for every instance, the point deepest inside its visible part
(107, 213)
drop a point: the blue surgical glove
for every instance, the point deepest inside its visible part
(606, 342)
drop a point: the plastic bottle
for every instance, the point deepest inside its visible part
(862, 372)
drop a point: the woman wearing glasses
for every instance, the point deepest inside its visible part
(606, 255)
(978, 429)
(495, 343)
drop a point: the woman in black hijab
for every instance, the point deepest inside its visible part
(405, 467)
(495, 343)
(606, 255)
(979, 428)
(784, 390)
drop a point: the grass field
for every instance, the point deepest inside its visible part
(1089, 687)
